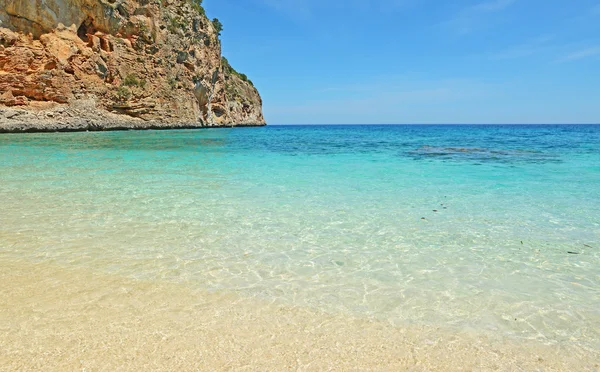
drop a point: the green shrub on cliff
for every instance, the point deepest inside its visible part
(229, 69)
(226, 66)
(175, 24)
(197, 5)
(133, 81)
(123, 94)
(218, 26)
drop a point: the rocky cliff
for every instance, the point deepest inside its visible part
(102, 64)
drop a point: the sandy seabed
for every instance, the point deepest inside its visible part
(57, 319)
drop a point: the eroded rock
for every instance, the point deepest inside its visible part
(139, 61)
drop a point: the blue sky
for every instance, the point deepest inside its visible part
(417, 61)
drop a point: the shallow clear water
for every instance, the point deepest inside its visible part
(465, 227)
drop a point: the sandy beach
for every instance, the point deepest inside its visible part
(63, 319)
(421, 200)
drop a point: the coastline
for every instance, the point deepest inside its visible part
(86, 119)
(62, 318)
(85, 126)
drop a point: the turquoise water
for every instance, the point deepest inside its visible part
(491, 229)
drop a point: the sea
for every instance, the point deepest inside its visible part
(490, 229)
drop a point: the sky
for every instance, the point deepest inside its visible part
(417, 61)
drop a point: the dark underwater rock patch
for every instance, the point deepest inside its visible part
(481, 155)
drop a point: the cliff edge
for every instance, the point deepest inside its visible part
(117, 64)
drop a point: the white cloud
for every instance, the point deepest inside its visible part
(492, 6)
(581, 54)
(534, 46)
(306, 8)
(471, 17)
(296, 8)
(398, 100)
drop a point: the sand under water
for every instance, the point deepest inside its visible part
(316, 247)
(53, 318)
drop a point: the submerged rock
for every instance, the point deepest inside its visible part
(479, 156)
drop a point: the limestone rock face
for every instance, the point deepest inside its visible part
(135, 60)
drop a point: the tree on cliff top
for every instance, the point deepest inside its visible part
(218, 26)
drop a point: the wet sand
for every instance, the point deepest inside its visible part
(53, 319)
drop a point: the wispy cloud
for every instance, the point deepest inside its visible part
(549, 48)
(532, 47)
(492, 6)
(401, 99)
(469, 18)
(306, 8)
(581, 54)
(296, 8)
(387, 5)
